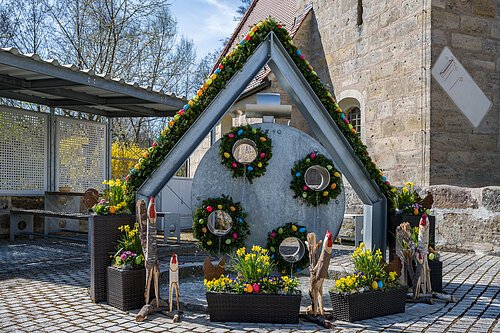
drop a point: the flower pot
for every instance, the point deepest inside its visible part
(395, 220)
(126, 288)
(254, 308)
(370, 304)
(104, 235)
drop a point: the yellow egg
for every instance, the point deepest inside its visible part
(137, 166)
(333, 186)
(191, 103)
(232, 208)
(294, 227)
(219, 207)
(227, 155)
(325, 194)
(336, 174)
(259, 165)
(213, 76)
(209, 243)
(374, 285)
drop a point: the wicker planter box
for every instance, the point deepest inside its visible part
(104, 234)
(370, 304)
(126, 288)
(254, 308)
(414, 220)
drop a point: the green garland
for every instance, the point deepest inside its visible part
(228, 67)
(274, 239)
(264, 151)
(302, 191)
(234, 239)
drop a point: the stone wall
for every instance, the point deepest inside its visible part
(386, 60)
(461, 154)
(467, 218)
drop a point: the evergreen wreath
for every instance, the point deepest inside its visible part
(302, 191)
(239, 230)
(264, 151)
(274, 239)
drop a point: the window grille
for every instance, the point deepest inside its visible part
(81, 162)
(23, 152)
(354, 116)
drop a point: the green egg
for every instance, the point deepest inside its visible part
(201, 221)
(228, 241)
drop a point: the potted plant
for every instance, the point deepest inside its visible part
(127, 276)
(110, 213)
(253, 295)
(369, 292)
(408, 206)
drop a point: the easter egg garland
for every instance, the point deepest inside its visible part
(232, 240)
(304, 192)
(274, 239)
(227, 68)
(263, 147)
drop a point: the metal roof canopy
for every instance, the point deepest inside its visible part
(30, 79)
(325, 130)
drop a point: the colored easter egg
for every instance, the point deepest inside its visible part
(304, 195)
(249, 168)
(302, 230)
(240, 132)
(305, 188)
(259, 165)
(336, 174)
(263, 139)
(280, 231)
(329, 167)
(313, 155)
(380, 285)
(325, 193)
(201, 221)
(234, 165)
(272, 249)
(374, 285)
(297, 174)
(219, 207)
(235, 236)
(294, 227)
(249, 288)
(226, 155)
(204, 230)
(232, 208)
(209, 242)
(256, 288)
(228, 241)
(308, 160)
(262, 155)
(333, 186)
(209, 209)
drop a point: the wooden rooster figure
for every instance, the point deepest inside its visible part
(424, 277)
(174, 281)
(318, 270)
(147, 229)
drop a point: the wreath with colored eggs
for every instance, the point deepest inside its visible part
(274, 239)
(264, 151)
(302, 191)
(236, 236)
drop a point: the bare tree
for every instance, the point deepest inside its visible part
(242, 9)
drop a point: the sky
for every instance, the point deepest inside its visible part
(206, 22)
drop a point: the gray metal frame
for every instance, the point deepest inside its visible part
(325, 130)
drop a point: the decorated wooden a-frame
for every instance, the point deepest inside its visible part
(267, 43)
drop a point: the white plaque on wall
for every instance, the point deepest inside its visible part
(460, 86)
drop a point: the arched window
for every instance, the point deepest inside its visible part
(354, 116)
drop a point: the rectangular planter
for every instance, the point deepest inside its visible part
(104, 234)
(126, 288)
(395, 220)
(370, 304)
(254, 308)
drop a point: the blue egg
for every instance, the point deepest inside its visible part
(302, 229)
(239, 220)
(249, 168)
(299, 53)
(242, 42)
(384, 179)
(217, 71)
(297, 174)
(132, 171)
(380, 285)
(186, 107)
(342, 116)
(240, 132)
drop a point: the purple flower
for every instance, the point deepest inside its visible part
(128, 253)
(132, 254)
(123, 256)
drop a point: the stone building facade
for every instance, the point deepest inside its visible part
(376, 56)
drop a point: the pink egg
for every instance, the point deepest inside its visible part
(256, 288)
(234, 165)
(230, 135)
(305, 188)
(235, 236)
(313, 155)
(262, 155)
(209, 209)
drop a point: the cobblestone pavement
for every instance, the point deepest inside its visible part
(44, 288)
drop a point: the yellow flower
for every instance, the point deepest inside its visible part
(404, 190)
(241, 251)
(409, 184)
(393, 275)
(256, 248)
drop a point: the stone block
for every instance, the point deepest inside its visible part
(444, 141)
(466, 42)
(490, 198)
(452, 197)
(461, 229)
(482, 142)
(485, 8)
(495, 30)
(491, 46)
(445, 20)
(439, 37)
(474, 25)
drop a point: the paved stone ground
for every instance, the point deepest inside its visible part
(44, 288)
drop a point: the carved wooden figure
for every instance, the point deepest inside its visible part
(318, 270)
(213, 272)
(174, 281)
(424, 275)
(147, 229)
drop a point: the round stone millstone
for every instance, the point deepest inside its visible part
(269, 201)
